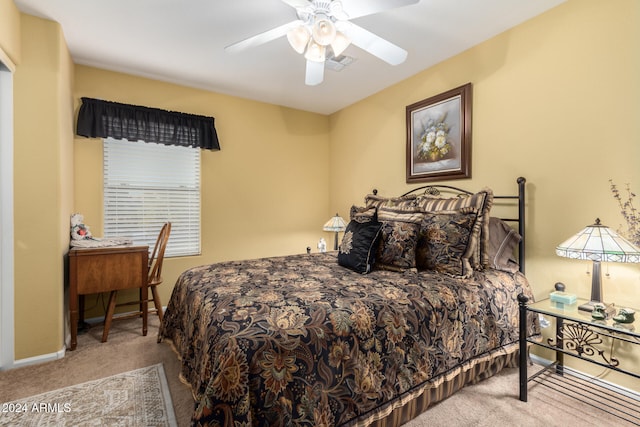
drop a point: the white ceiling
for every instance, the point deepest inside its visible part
(182, 41)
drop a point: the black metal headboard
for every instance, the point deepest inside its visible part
(520, 197)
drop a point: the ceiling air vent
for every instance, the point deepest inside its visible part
(337, 63)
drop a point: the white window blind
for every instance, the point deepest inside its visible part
(148, 184)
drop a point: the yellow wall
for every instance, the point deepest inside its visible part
(555, 100)
(42, 185)
(264, 193)
(9, 31)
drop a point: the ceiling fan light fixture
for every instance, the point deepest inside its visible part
(298, 38)
(324, 32)
(315, 52)
(339, 43)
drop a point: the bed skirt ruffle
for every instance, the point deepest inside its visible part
(415, 402)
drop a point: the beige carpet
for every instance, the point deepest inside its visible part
(135, 398)
(126, 350)
(493, 402)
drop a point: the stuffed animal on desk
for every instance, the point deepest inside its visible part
(81, 236)
(79, 230)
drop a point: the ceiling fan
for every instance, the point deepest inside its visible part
(323, 30)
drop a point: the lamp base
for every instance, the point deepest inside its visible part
(588, 307)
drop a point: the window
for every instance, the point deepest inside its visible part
(147, 184)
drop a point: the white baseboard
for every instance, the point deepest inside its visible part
(96, 320)
(58, 354)
(39, 359)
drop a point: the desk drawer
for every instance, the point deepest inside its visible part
(104, 271)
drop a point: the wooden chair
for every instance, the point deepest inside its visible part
(154, 279)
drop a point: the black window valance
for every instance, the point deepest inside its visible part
(103, 119)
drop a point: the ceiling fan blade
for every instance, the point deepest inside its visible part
(297, 4)
(314, 73)
(358, 8)
(375, 45)
(263, 38)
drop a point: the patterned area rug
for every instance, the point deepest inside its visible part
(135, 398)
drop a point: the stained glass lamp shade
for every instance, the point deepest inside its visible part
(337, 225)
(598, 243)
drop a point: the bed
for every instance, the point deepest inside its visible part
(419, 300)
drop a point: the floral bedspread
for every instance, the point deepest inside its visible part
(300, 340)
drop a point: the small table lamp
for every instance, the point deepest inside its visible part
(336, 224)
(597, 243)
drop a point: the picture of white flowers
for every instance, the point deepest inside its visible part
(439, 137)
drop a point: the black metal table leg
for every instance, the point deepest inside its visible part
(522, 302)
(559, 346)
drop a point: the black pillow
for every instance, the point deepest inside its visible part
(359, 244)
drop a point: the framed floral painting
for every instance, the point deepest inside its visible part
(439, 137)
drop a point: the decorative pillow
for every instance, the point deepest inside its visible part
(444, 243)
(363, 214)
(359, 244)
(400, 232)
(481, 202)
(503, 241)
(405, 203)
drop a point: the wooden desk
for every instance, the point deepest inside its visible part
(95, 270)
